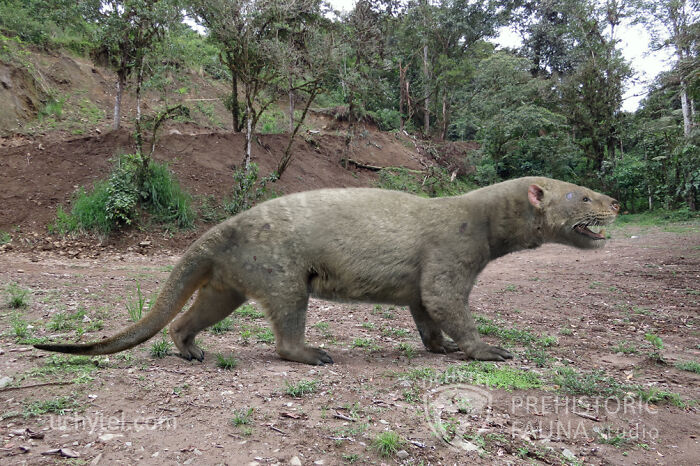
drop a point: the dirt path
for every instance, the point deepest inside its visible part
(132, 407)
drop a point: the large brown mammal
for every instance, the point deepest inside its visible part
(363, 245)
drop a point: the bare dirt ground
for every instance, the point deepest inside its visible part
(134, 408)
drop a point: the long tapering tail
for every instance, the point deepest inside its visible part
(189, 274)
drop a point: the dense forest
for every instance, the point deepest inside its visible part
(551, 107)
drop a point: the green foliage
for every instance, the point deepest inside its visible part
(161, 348)
(222, 326)
(17, 297)
(137, 305)
(690, 366)
(248, 310)
(58, 406)
(242, 417)
(657, 345)
(386, 119)
(228, 363)
(20, 327)
(594, 383)
(301, 388)
(113, 203)
(247, 189)
(387, 443)
(435, 182)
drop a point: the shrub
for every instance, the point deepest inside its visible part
(247, 189)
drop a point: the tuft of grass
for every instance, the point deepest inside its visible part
(137, 305)
(222, 326)
(56, 406)
(491, 375)
(242, 417)
(20, 327)
(301, 388)
(395, 332)
(5, 237)
(17, 297)
(625, 347)
(594, 383)
(526, 337)
(161, 348)
(265, 335)
(226, 362)
(690, 366)
(654, 395)
(609, 437)
(408, 350)
(248, 310)
(387, 443)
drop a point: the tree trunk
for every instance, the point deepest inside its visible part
(443, 133)
(139, 131)
(248, 134)
(291, 107)
(687, 123)
(235, 111)
(426, 93)
(121, 83)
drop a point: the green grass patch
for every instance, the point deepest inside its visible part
(222, 326)
(20, 327)
(58, 406)
(113, 203)
(387, 443)
(301, 388)
(248, 310)
(160, 349)
(513, 335)
(690, 366)
(226, 362)
(242, 417)
(17, 297)
(80, 367)
(138, 305)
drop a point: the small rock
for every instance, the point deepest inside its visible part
(402, 454)
(68, 453)
(197, 452)
(295, 461)
(108, 437)
(568, 454)
(319, 462)
(53, 451)
(5, 381)
(96, 460)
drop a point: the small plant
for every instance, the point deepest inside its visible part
(56, 406)
(160, 349)
(265, 335)
(566, 331)
(60, 322)
(690, 366)
(395, 332)
(17, 297)
(20, 327)
(301, 388)
(226, 362)
(625, 347)
(387, 443)
(5, 237)
(222, 326)
(607, 436)
(247, 189)
(248, 310)
(511, 287)
(136, 306)
(242, 417)
(657, 345)
(408, 350)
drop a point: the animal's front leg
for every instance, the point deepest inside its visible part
(445, 295)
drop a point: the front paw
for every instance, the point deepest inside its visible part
(484, 352)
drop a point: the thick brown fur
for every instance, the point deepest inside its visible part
(363, 245)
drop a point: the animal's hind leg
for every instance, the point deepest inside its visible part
(288, 317)
(430, 332)
(210, 306)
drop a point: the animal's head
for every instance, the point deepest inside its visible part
(572, 213)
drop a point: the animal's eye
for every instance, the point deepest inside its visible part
(586, 199)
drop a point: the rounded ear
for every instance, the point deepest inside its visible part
(535, 195)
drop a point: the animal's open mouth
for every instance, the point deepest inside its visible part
(583, 229)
